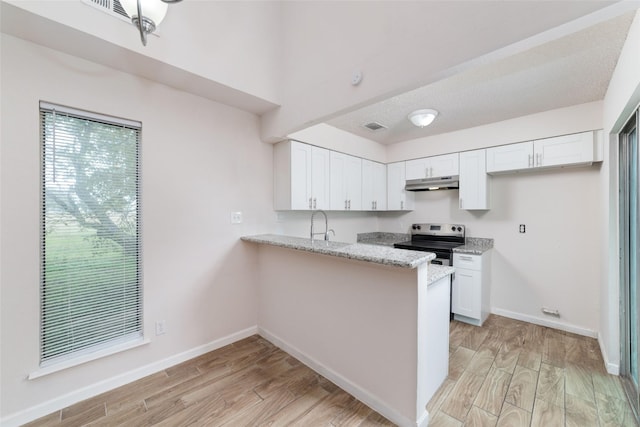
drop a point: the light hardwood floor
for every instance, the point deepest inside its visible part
(512, 373)
(507, 373)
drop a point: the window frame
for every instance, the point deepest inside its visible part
(121, 343)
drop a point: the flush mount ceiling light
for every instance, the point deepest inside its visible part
(146, 14)
(422, 118)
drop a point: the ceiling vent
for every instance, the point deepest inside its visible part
(112, 7)
(374, 126)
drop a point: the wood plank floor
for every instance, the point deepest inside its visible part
(512, 373)
(507, 373)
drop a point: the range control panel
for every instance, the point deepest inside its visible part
(438, 230)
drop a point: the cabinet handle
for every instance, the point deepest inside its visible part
(461, 203)
(401, 204)
(539, 155)
(375, 205)
(349, 204)
(310, 205)
(529, 160)
(315, 205)
(345, 205)
(466, 258)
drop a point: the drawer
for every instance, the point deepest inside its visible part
(470, 262)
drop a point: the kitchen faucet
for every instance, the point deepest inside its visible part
(326, 225)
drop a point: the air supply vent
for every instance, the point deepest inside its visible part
(112, 7)
(374, 126)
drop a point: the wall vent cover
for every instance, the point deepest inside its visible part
(112, 7)
(374, 126)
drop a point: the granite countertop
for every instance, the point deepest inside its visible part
(436, 272)
(474, 246)
(382, 238)
(363, 252)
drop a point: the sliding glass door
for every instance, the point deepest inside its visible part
(629, 257)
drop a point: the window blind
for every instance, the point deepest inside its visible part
(91, 281)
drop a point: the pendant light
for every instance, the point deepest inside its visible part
(146, 14)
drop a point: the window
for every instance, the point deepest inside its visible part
(91, 283)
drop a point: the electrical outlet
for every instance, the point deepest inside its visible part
(161, 327)
(236, 217)
(523, 228)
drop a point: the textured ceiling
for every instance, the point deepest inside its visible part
(568, 71)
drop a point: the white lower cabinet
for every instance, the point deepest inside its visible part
(471, 288)
(437, 334)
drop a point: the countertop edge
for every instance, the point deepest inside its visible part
(354, 251)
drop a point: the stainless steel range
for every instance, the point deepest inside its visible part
(437, 238)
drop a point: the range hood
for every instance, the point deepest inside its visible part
(432, 184)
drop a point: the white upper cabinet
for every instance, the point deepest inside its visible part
(475, 184)
(346, 182)
(374, 186)
(301, 176)
(510, 157)
(398, 199)
(564, 150)
(567, 150)
(432, 167)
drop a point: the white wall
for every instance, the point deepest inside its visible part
(200, 161)
(225, 50)
(324, 135)
(621, 99)
(557, 262)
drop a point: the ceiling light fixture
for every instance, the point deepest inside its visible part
(146, 14)
(422, 118)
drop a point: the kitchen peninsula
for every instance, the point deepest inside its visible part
(372, 319)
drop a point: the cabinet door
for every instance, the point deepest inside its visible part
(301, 176)
(446, 165)
(416, 169)
(367, 185)
(337, 173)
(379, 186)
(467, 293)
(474, 181)
(374, 186)
(397, 198)
(564, 150)
(353, 182)
(320, 179)
(510, 157)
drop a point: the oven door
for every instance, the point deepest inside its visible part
(442, 257)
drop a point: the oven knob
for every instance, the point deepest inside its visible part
(459, 228)
(415, 227)
(453, 229)
(418, 227)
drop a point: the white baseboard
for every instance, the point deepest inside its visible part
(545, 322)
(61, 402)
(355, 390)
(612, 368)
